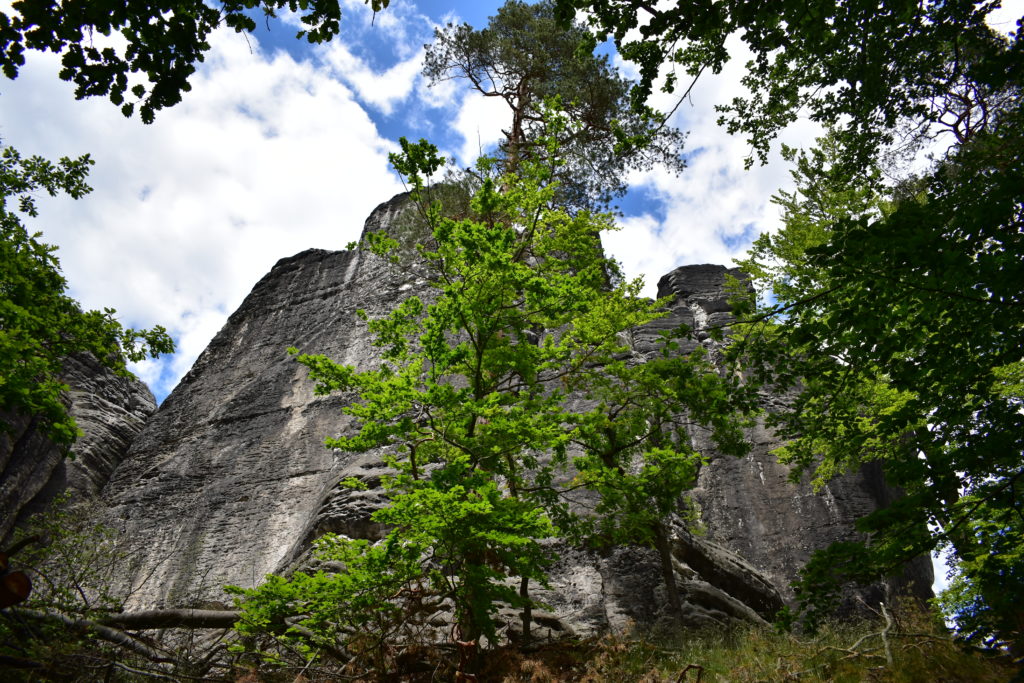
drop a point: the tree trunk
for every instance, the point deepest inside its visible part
(524, 593)
(667, 571)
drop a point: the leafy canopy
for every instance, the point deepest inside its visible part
(897, 300)
(505, 398)
(864, 64)
(163, 41)
(902, 323)
(39, 323)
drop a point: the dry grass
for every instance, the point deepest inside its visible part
(919, 650)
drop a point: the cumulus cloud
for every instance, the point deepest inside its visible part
(380, 56)
(714, 210)
(479, 123)
(383, 89)
(266, 157)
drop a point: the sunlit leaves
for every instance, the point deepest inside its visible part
(505, 387)
(39, 324)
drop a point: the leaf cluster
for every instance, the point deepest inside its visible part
(899, 337)
(508, 402)
(864, 65)
(70, 562)
(39, 323)
(163, 41)
(525, 57)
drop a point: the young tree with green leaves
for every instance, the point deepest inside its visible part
(502, 398)
(897, 308)
(40, 324)
(524, 57)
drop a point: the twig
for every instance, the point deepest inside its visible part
(682, 675)
(884, 633)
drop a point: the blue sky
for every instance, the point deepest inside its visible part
(282, 146)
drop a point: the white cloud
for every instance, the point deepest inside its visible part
(1004, 18)
(401, 23)
(479, 122)
(400, 32)
(265, 157)
(712, 212)
(382, 90)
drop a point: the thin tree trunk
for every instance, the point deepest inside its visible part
(667, 571)
(524, 593)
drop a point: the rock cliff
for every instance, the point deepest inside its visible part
(230, 480)
(110, 410)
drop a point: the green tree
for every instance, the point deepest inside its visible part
(39, 323)
(897, 308)
(501, 398)
(865, 64)
(163, 41)
(900, 326)
(525, 57)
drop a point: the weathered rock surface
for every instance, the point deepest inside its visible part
(110, 410)
(226, 483)
(230, 479)
(749, 505)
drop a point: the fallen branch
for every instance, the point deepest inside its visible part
(104, 632)
(173, 618)
(694, 667)
(884, 633)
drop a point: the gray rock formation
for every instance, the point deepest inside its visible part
(749, 505)
(230, 479)
(110, 410)
(230, 476)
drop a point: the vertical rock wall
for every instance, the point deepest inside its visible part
(110, 410)
(230, 479)
(749, 505)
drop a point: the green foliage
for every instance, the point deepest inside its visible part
(897, 310)
(499, 398)
(899, 330)
(526, 58)
(864, 65)
(39, 324)
(164, 41)
(70, 561)
(359, 605)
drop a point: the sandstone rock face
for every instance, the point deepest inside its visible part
(110, 410)
(227, 482)
(748, 505)
(230, 479)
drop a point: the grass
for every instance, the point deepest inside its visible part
(919, 649)
(915, 647)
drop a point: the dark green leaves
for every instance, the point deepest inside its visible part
(525, 57)
(165, 41)
(864, 65)
(901, 341)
